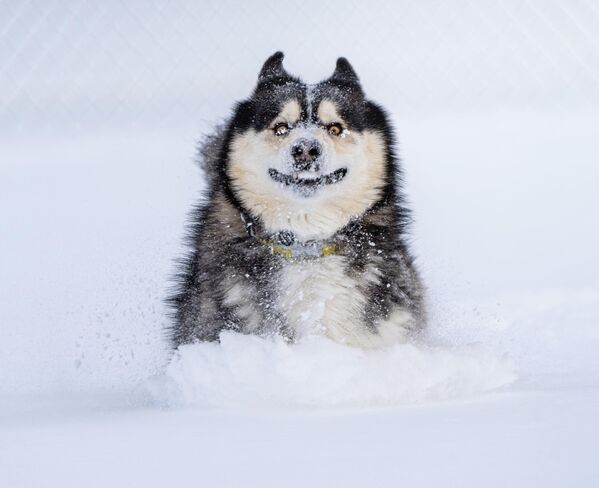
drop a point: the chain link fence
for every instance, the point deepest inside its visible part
(82, 64)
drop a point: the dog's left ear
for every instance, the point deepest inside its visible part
(344, 71)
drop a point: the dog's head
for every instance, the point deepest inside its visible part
(308, 158)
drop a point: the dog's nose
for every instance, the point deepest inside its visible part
(305, 154)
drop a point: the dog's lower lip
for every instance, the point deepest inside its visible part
(328, 179)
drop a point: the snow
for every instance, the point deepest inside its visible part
(245, 371)
(503, 390)
(512, 439)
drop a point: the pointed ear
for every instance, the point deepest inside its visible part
(344, 71)
(273, 67)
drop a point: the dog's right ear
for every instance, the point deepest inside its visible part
(273, 67)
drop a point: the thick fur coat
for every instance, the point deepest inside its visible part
(302, 230)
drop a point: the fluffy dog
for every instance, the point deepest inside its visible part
(302, 230)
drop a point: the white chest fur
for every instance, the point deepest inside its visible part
(318, 297)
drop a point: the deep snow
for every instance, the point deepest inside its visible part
(244, 371)
(520, 438)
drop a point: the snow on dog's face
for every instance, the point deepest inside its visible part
(308, 158)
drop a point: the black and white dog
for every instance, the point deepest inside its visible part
(303, 227)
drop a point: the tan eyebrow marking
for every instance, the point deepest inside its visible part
(327, 112)
(290, 112)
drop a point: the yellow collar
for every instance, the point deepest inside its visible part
(310, 249)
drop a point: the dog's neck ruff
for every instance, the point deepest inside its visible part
(284, 244)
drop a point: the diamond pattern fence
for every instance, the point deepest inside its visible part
(83, 64)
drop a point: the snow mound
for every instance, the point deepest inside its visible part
(249, 371)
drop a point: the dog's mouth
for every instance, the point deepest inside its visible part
(301, 182)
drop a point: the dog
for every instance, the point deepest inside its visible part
(302, 230)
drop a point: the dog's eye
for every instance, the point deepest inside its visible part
(335, 129)
(281, 128)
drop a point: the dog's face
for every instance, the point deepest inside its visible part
(308, 158)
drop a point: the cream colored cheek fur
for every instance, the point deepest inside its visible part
(321, 215)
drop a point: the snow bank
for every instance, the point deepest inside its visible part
(249, 371)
